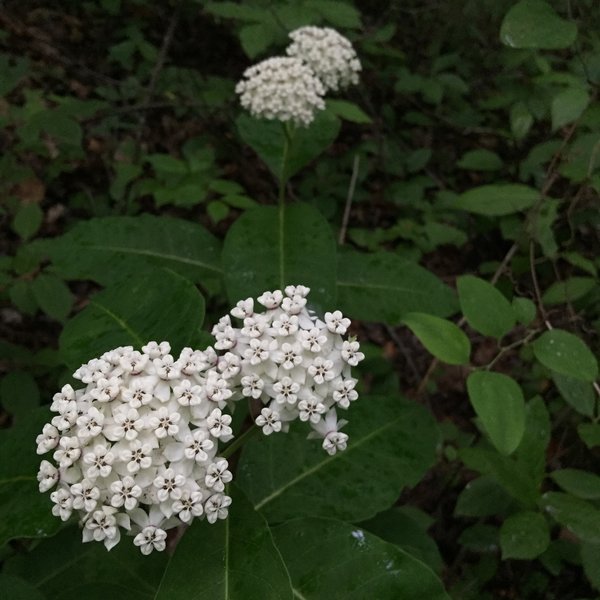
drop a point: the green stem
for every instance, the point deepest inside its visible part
(240, 441)
(287, 142)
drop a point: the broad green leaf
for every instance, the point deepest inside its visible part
(267, 139)
(52, 295)
(442, 338)
(521, 120)
(590, 557)
(19, 392)
(483, 497)
(270, 247)
(28, 220)
(566, 354)
(238, 560)
(329, 559)
(568, 105)
(499, 403)
(578, 516)
(590, 434)
(287, 476)
(348, 111)
(112, 248)
(63, 568)
(256, 38)
(579, 394)
(524, 535)
(497, 200)
(401, 527)
(480, 160)
(568, 290)
(337, 13)
(535, 24)
(15, 588)
(21, 295)
(234, 10)
(524, 310)
(382, 286)
(154, 305)
(582, 484)
(480, 538)
(485, 308)
(24, 511)
(165, 163)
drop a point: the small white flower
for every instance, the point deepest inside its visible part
(125, 493)
(63, 503)
(313, 339)
(154, 350)
(286, 325)
(106, 389)
(188, 394)
(252, 386)
(243, 309)
(137, 456)
(127, 424)
(68, 451)
(288, 356)
(336, 440)
(90, 424)
(216, 507)
(48, 439)
(219, 425)
(286, 391)
(336, 322)
(271, 300)
(293, 305)
(351, 353)
(197, 446)
(269, 420)
(168, 485)
(100, 462)
(217, 475)
(151, 538)
(311, 409)
(321, 370)
(344, 392)
(164, 422)
(85, 495)
(257, 352)
(47, 476)
(189, 506)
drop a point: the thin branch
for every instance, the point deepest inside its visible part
(349, 198)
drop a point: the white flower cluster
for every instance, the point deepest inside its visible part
(298, 365)
(329, 54)
(292, 88)
(136, 448)
(281, 88)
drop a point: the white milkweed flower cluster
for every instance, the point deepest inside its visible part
(283, 89)
(298, 365)
(136, 448)
(291, 89)
(329, 54)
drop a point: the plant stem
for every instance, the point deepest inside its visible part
(287, 142)
(240, 441)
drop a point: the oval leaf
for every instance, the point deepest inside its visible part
(270, 247)
(566, 354)
(568, 290)
(568, 106)
(499, 403)
(524, 536)
(331, 559)
(287, 476)
(497, 200)
(154, 305)
(53, 296)
(485, 308)
(239, 560)
(578, 516)
(382, 286)
(442, 338)
(128, 244)
(579, 483)
(535, 24)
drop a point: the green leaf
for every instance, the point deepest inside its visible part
(19, 393)
(499, 403)
(568, 290)
(578, 516)
(582, 484)
(590, 557)
(521, 120)
(568, 106)
(165, 163)
(589, 433)
(382, 286)
(338, 14)
(497, 200)
(286, 476)
(267, 139)
(256, 38)
(28, 220)
(483, 497)
(400, 526)
(524, 535)
(64, 568)
(485, 308)
(442, 338)
(270, 247)
(131, 244)
(480, 160)
(566, 354)
(579, 394)
(53, 296)
(524, 310)
(348, 111)
(535, 24)
(21, 295)
(153, 305)
(239, 560)
(331, 559)
(24, 511)
(16, 588)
